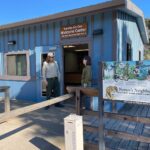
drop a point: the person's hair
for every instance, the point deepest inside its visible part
(88, 59)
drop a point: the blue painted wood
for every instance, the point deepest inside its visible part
(44, 34)
(32, 63)
(1, 64)
(51, 39)
(32, 40)
(128, 32)
(38, 38)
(107, 37)
(20, 43)
(57, 33)
(26, 36)
(1, 40)
(38, 52)
(38, 35)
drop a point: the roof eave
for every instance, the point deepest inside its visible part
(132, 8)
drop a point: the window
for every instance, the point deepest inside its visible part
(139, 55)
(17, 65)
(129, 52)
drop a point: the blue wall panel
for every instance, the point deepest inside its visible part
(107, 37)
(32, 38)
(39, 38)
(128, 32)
(51, 34)
(26, 38)
(20, 37)
(38, 35)
(44, 34)
(1, 41)
(96, 49)
(57, 33)
(89, 23)
(21, 90)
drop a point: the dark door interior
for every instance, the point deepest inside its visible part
(73, 55)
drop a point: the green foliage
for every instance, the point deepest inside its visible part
(147, 54)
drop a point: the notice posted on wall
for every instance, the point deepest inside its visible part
(127, 81)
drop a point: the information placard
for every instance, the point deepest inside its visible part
(127, 80)
(77, 30)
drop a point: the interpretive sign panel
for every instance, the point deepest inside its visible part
(127, 80)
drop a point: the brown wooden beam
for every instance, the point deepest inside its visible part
(127, 136)
(90, 113)
(90, 146)
(118, 116)
(89, 91)
(127, 118)
(90, 128)
(78, 102)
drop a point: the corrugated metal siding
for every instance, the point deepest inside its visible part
(128, 32)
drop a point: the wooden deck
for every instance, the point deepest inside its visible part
(123, 126)
(46, 127)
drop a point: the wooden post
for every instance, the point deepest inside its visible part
(7, 100)
(5, 90)
(101, 110)
(114, 107)
(78, 103)
(23, 110)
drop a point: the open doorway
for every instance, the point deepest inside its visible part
(73, 55)
(43, 58)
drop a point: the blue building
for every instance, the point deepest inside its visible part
(114, 30)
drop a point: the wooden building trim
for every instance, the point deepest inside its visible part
(114, 36)
(11, 77)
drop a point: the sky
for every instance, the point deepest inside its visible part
(18, 10)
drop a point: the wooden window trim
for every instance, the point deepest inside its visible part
(11, 77)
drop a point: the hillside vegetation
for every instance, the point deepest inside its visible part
(147, 54)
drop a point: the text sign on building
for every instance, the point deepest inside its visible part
(76, 30)
(128, 81)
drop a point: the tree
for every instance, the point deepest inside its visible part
(147, 54)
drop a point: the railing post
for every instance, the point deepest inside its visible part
(114, 107)
(7, 100)
(78, 102)
(101, 111)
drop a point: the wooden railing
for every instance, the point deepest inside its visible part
(20, 111)
(101, 115)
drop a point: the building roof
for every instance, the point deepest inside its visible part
(124, 5)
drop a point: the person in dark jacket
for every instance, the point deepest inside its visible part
(86, 72)
(86, 79)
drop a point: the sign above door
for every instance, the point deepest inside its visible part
(76, 30)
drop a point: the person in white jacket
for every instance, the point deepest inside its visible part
(51, 77)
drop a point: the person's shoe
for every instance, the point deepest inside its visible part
(47, 107)
(59, 105)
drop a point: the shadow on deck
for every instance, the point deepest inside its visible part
(44, 129)
(133, 128)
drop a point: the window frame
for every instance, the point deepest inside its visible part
(15, 77)
(140, 55)
(129, 51)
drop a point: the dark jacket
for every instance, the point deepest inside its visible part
(86, 75)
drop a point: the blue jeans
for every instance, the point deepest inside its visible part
(86, 102)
